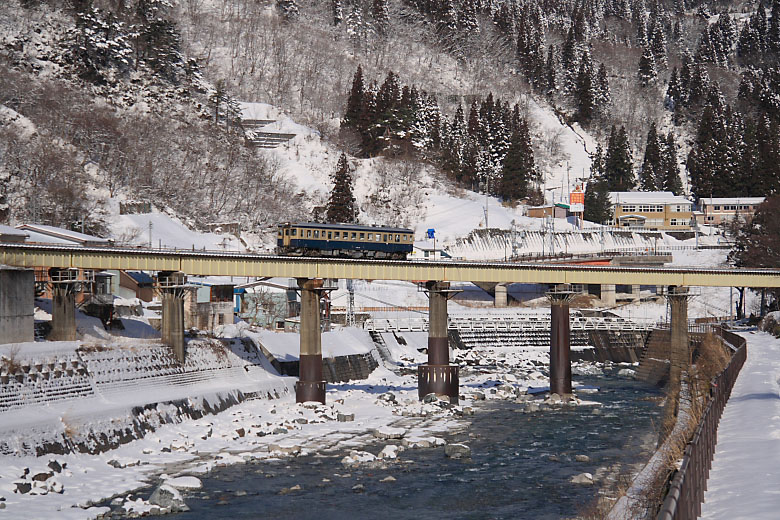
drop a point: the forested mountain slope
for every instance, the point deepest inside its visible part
(109, 99)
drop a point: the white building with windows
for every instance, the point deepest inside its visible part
(652, 210)
(715, 211)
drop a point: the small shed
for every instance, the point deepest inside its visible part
(9, 235)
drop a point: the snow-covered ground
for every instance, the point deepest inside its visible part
(744, 480)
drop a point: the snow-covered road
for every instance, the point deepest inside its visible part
(745, 479)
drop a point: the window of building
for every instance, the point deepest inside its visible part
(628, 208)
(716, 208)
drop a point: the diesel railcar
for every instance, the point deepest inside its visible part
(344, 241)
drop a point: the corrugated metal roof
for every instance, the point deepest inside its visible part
(62, 234)
(8, 230)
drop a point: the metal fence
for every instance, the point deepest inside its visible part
(531, 322)
(686, 492)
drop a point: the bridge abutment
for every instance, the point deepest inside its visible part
(438, 376)
(560, 345)
(63, 316)
(310, 385)
(171, 285)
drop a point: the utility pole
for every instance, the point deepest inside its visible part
(150, 234)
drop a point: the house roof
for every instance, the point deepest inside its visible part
(10, 231)
(51, 234)
(732, 200)
(646, 197)
(140, 277)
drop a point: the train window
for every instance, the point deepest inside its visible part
(354, 235)
(287, 232)
(362, 236)
(384, 237)
(280, 232)
(398, 238)
(330, 235)
(377, 237)
(335, 234)
(294, 232)
(308, 233)
(316, 233)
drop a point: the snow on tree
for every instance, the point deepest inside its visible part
(342, 207)
(618, 167)
(338, 13)
(670, 167)
(288, 9)
(647, 69)
(651, 175)
(585, 93)
(518, 169)
(597, 204)
(381, 17)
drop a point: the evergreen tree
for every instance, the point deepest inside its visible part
(550, 69)
(355, 101)
(673, 97)
(647, 69)
(518, 166)
(381, 17)
(603, 94)
(341, 204)
(597, 203)
(288, 9)
(773, 30)
(467, 17)
(670, 166)
(618, 167)
(338, 13)
(657, 45)
(584, 93)
(651, 177)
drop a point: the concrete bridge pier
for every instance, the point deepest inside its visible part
(310, 385)
(172, 286)
(560, 346)
(679, 355)
(438, 376)
(501, 298)
(608, 295)
(63, 317)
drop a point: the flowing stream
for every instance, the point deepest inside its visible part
(520, 468)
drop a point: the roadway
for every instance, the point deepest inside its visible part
(210, 263)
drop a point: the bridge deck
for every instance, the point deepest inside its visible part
(253, 265)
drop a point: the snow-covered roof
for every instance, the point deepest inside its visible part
(732, 200)
(51, 234)
(646, 197)
(11, 232)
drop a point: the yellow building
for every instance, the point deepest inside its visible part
(716, 211)
(652, 210)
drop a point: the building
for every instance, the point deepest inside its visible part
(9, 235)
(40, 234)
(652, 210)
(715, 211)
(208, 304)
(557, 210)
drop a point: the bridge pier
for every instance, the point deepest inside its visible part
(63, 317)
(679, 355)
(560, 346)
(608, 295)
(172, 286)
(310, 385)
(438, 376)
(501, 298)
(636, 292)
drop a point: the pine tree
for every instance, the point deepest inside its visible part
(647, 69)
(597, 204)
(651, 174)
(550, 70)
(673, 97)
(467, 17)
(773, 30)
(658, 45)
(618, 167)
(603, 94)
(341, 205)
(381, 17)
(584, 93)
(338, 13)
(518, 166)
(670, 166)
(355, 100)
(288, 9)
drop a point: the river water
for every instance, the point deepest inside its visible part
(520, 467)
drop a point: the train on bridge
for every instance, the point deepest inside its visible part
(344, 241)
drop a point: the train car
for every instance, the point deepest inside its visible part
(344, 240)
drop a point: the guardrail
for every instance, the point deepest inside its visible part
(519, 324)
(686, 492)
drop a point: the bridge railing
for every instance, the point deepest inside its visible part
(686, 491)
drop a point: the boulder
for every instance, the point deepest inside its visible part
(389, 452)
(585, 479)
(345, 417)
(388, 478)
(169, 498)
(430, 398)
(582, 458)
(388, 432)
(457, 451)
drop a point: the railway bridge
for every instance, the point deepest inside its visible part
(438, 375)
